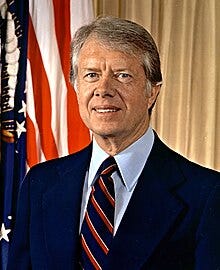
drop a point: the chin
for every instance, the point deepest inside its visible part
(104, 133)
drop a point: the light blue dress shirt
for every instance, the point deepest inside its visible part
(130, 162)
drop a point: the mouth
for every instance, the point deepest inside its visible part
(106, 109)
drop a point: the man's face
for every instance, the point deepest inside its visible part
(112, 95)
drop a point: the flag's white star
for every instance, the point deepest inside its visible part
(24, 108)
(4, 233)
(20, 128)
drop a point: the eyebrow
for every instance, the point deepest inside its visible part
(90, 69)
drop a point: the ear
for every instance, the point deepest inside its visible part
(152, 97)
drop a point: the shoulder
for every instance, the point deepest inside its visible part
(53, 170)
(194, 185)
(65, 163)
(190, 170)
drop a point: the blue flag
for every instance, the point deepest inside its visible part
(14, 26)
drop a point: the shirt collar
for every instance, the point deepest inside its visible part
(130, 161)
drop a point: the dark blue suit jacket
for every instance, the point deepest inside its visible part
(172, 221)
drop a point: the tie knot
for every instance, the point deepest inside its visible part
(108, 166)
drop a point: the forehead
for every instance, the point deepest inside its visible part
(95, 50)
(110, 43)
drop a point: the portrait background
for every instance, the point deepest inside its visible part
(187, 32)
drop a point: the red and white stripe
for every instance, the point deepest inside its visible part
(102, 214)
(96, 235)
(109, 169)
(54, 127)
(106, 192)
(89, 254)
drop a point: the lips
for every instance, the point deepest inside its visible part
(106, 109)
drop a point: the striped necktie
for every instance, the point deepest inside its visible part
(98, 224)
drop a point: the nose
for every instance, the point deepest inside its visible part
(105, 87)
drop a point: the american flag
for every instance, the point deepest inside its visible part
(39, 112)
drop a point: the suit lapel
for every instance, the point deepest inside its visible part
(151, 213)
(61, 210)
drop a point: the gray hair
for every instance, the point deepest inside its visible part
(122, 35)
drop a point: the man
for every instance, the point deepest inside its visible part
(166, 208)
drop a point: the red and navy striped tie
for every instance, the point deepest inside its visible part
(98, 224)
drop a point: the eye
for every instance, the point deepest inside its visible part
(123, 77)
(91, 76)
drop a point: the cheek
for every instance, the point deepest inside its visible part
(81, 104)
(84, 105)
(138, 102)
(82, 97)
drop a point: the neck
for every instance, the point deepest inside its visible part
(114, 145)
